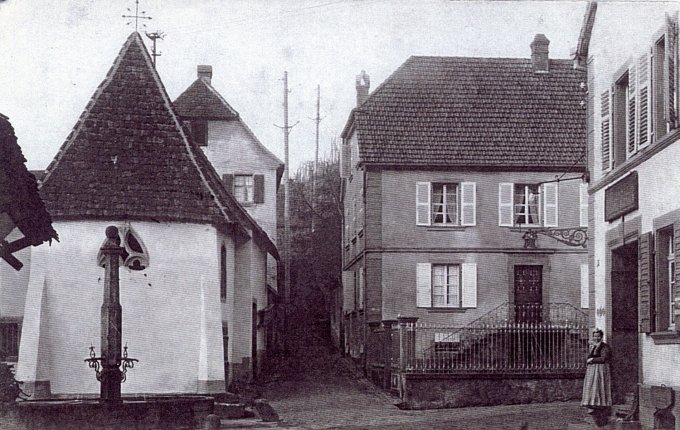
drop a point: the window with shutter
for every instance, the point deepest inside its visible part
(605, 130)
(446, 203)
(244, 188)
(665, 281)
(348, 289)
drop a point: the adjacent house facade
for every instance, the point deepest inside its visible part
(635, 212)
(459, 175)
(193, 277)
(249, 171)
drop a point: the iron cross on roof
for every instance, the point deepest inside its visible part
(136, 16)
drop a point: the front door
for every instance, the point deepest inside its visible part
(528, 293)
(624, 317)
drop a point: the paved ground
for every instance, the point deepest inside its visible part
(322, 390)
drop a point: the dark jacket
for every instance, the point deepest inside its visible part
(600, 354)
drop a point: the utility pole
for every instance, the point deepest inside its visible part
(316, 156)
(155, 36)
(286, 207)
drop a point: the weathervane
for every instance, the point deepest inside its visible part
(136, 16)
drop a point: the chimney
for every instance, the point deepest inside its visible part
(539, 53)
(204, 72)
(363, 84)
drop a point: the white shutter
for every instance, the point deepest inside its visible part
(605, 130)
(362, 287)
(583, 205)
(550, 204)
(585, 288)
(505, 208)
(424, 285)
(468, 203)
(469, 285)
(644, 105)
(670, 72)
(631, 114)
(348, 289)
(423, 205)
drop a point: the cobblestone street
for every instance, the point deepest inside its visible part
(319, 389)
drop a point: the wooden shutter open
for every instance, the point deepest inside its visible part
(585, 287)
(345, 160)
(423, 205)
(670, 87)
(348, 289)
(468, 204)
(550, 200)
(505, 200)
(258, 188)
(676, 248)
(631, 113)
(605, 129)
(644, 105)
(583, 205)
(646, 283)
(424, 285)
(469, 285)
(228, 181)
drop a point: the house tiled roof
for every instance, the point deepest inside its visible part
(19, 196)
(201, 100)
(129, 157)
(486, 112)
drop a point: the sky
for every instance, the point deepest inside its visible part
(54, 54)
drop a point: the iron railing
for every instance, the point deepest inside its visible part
(511, 339)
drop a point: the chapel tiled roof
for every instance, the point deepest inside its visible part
(461, 111)
(19, 196)
(201, 100)
(129, 157)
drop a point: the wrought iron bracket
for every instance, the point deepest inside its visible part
(96, 363)
(569, 236)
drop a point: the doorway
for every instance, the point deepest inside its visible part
(624, 320)
(528, 293)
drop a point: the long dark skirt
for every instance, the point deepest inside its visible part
(597, 391)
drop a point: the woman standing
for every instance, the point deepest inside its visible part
(597, 392)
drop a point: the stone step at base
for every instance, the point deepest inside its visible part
(231, 410)
(247, 423)
(613, 424)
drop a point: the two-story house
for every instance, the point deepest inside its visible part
(458, 174)
(250, 172)
(635, 211)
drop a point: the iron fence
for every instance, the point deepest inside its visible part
(512, 341)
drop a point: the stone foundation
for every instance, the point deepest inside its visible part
(169, 412)
(455, 391)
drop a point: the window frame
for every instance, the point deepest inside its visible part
(465, 206)
(245, 187)
(448, 286)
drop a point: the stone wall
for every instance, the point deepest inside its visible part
(454, 391)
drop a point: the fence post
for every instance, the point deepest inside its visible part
(407, 341)
(387, 353)
(372, 352)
